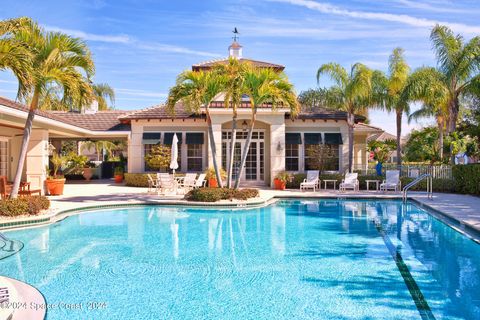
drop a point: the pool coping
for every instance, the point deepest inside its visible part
(53, 216)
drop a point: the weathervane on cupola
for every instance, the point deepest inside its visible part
(235, 49)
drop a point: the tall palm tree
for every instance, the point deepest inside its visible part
(99, 147)
(233, 71)
(197, 89)
(458, 62)
(351, 93)
(103, 92)
(388, 91)
(56, 58)
(427, 85)
(14, 55)
(265, 86)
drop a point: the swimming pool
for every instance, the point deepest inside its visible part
(308, 259)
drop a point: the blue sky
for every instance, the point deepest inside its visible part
(140, 46)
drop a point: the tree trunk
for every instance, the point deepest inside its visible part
(23, 150)
(440, 139)
(232, 150)
(246, 147)
(214, 149)
(399, 137)
(453, 108)
(351, 123)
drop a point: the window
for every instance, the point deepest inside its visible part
(194, 157)
(194, 141)
(292, 143)
(331, 157)
(312, 141)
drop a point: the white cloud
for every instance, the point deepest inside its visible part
(8, 81)
(125, 39)
(92, 37)
(389, 17)
(434, 7)
(140, 93)
(174, 49)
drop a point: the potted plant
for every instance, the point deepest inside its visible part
(88, 170)
(281, 179)
(56, 182)
(212, 177)
(118, 174)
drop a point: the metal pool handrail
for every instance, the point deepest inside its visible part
(425, 176)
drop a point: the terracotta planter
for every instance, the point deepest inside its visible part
(118, 178)
(88, 173)
(55, 186)
(279, 184)
(212, 183)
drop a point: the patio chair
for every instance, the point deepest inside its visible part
(166, 182)
(311, 182)
(350, 182)
(152, 183)
(392, 181)
(24, 190)
(200, 181)
(188, 182)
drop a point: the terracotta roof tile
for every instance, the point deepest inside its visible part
(262, 64)
(99, 121)
(160, 112)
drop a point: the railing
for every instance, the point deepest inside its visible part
(411, 171)
(426, 176)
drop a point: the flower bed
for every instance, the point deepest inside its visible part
(31, 205)
(217, 194)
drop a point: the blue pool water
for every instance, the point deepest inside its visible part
(315, 259)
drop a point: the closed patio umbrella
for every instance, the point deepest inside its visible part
(174, 160)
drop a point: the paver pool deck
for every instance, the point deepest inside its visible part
(77, 195)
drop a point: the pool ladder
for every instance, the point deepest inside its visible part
(420, 178)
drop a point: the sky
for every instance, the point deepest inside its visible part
(139, 47)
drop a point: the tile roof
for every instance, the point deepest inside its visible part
(363, 127)
(99, 121)
(262, 64)
(325, 115)
(160, 112)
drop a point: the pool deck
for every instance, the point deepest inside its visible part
(82, 195)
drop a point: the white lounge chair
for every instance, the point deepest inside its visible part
(152, 183)
(392, 181)
(350, 182)
(166, 182)
(311, 182)
(200, 182)
(188, 182)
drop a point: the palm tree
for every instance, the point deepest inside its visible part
(265, 86)
(99, 147)
(352, 93)
(427, 85)
(233, 71)
(197, 89)
(56, 58)
(388, 91)
(458, 62)
(14, 55)
(103, 92)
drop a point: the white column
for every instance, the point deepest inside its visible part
(277, 154)
(136, 163)
(37, 159)
(343, 166)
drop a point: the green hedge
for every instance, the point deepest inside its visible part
(467, 178)
(216, 194)
(136, 179)
(23, 205)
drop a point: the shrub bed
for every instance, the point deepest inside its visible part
(136, 179)
(31, 205)
(216, 194)
(467, 178)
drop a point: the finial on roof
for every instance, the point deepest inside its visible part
(235, 49)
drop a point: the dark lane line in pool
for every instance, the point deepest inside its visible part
(415, 292)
